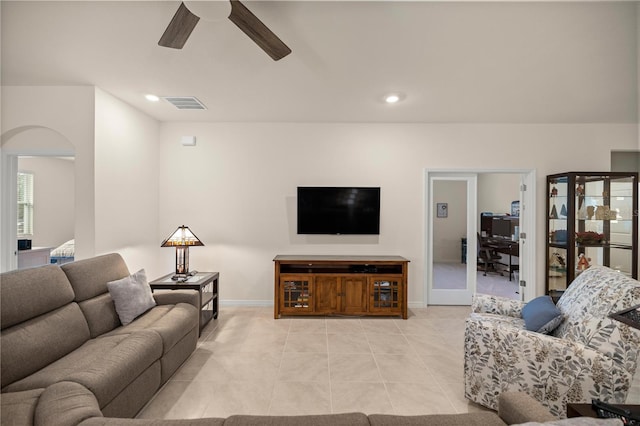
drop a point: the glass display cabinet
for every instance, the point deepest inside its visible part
(592, 219)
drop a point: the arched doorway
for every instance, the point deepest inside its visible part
(36, 141)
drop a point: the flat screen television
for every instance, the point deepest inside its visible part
(338, 210)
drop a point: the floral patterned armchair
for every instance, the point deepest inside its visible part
(589, 355)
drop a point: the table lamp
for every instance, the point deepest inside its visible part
(182, 239)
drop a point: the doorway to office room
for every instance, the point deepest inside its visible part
(453, 273)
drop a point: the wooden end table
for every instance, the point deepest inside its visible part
(585, 410)
(206, 283)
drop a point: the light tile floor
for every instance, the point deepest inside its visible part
(248, 363)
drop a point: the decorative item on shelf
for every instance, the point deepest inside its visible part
(557, 262)
(563, 210)
(590, 212)
(559, 236)
(589, 237)
(605, 213)
(182, 239)
(554, 192)
(554, 212)
(583, 262)
(580, 195)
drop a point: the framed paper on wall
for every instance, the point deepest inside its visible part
(442, 209)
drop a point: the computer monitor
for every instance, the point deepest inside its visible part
(501, 227)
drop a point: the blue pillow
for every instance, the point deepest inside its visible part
(541, 315)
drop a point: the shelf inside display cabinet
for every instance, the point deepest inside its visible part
(592, 219)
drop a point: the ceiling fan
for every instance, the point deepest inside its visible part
(184, 21)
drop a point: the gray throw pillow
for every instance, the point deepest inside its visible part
(131, 296)
(541, 315)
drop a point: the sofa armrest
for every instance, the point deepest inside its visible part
(484, 303)
(18, 408)
(519, 407)
(500, 357)
(173, 297)
(66, 403)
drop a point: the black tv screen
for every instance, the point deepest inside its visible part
(338, 210)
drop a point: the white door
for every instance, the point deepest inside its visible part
(451, 220)
(527, 240)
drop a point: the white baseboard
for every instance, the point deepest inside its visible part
(265, 303)
(415, 305)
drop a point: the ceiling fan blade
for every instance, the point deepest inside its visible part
(179, 29)
(257, 31)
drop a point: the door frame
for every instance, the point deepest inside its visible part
(453, 296)
(528, 256)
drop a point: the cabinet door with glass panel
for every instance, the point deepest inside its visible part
(592, 220)
(385, 294)
(296, 294)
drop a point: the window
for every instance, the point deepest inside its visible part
(25, 203)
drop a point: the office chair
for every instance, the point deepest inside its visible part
(488, 256)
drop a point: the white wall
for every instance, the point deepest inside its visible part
(496, 191)
(236, 188)
(53, 198)
(116, 166)
(126, 179)
(68, 111)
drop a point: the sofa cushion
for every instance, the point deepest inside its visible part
(18, 408)
(541, 315)
(89, 277)
(577, 421)
(587, 303)
(467, 419)
(591, 297)
(105, 365)
(520, 407)
(26, 285)
(497, 320)
(346, 419)
(171, 322)
(35, 344)
(65, 403)
(113, 371)
(131, 296)
(101, 314)
(58, 370)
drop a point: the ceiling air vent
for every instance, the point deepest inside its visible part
(185, 102)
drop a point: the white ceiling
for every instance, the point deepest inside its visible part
(510, 62)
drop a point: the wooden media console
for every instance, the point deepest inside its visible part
(340, 285)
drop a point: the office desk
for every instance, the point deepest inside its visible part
(506, 247)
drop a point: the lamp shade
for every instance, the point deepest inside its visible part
(182, 237)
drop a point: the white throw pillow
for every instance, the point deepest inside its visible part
(131, 296)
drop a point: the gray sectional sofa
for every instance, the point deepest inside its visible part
(66, 360)
(60, 330)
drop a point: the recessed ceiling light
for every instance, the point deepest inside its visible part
(394, 97)
(152, 98)
(391, 99)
